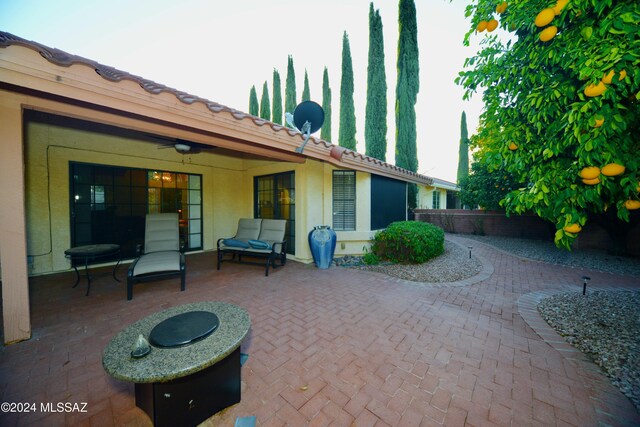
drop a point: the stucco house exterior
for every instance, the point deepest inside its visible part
(87, 151)
(440, 194)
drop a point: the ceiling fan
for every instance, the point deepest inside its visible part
(185, 147)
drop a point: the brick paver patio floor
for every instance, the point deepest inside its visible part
(336, 347)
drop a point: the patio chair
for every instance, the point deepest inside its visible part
(161, 255)
(256, 238)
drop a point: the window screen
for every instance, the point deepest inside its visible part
(344, 200)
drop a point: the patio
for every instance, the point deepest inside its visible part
(334, 347)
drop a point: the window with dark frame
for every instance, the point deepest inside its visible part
(436, 199)
(275, 198)
(109, 204)
(344, 200)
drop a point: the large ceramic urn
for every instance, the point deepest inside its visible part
(322, 241)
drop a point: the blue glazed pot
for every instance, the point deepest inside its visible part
(322, 241)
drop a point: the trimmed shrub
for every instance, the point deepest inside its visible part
(409, 242)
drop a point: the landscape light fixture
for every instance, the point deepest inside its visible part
(584, 285)
(470, 247)
(308, 117)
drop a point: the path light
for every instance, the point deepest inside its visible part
(584, 286)
(470, 247)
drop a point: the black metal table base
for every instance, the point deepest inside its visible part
(190, 400)
(86, 272)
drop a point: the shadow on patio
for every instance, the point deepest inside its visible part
(326, 346)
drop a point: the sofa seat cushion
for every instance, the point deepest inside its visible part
(260, 244)
(235, 243)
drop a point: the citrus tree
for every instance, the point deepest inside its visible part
(561, 89)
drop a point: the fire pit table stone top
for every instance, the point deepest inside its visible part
(166, 364)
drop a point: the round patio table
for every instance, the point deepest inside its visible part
(89, 253)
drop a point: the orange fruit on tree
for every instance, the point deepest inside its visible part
(572, 228)
(632, 205)
(545, 17)
(559, 6)
(599, 121)
(492, 25)
(481, 26)
(623, 74)
(593, 181)
(513, 146)
(613, 169)
(501, 7)
(548, 33)
(595, 90)
(590, 172)
(608, 77)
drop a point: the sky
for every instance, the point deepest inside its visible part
(218, 49)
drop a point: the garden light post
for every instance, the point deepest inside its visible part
(584, 286)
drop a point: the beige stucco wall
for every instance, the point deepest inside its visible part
(227, 190)
(425, 197)
(48, 151)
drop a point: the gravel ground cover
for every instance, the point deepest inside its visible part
(547, 251)
(453, 265)
(604, 325)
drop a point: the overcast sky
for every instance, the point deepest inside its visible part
(218, 49)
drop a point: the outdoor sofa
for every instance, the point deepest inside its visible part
(256, 238)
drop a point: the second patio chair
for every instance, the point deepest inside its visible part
(161, 253)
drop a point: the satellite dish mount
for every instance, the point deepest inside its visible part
(308, 117)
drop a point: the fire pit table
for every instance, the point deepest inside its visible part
(192, 369)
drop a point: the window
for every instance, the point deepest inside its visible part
(344, 200)
(436, 200)
(109, 204)
(275, 198)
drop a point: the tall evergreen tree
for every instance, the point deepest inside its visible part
(347, 131)
(375, 130)
(290, 88)
(276, 110)
(265, 108)
(325, 133)
(407, 88)
(463, 151)
(253, 102)
(306, 93)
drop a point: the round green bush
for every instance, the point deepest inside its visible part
(409, 242)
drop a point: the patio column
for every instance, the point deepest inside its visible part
(13, 239)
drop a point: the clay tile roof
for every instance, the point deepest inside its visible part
(64, 59)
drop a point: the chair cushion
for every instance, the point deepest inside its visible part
(248, 228)
(235, 243)
(259, 244)
(157, 262)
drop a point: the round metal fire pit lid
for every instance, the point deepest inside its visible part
(183, 329)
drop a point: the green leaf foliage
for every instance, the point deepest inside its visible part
(347, 130)
(486, 189)
(253, 102)
(408, 242)
(407, 87)
(265, 108)
(534, 96)
(325, 132)
(290, 88)
(463, 150)
(276, 110)
(306, 92)
(375, 131)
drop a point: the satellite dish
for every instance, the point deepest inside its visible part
(308, 117)
(308, 111)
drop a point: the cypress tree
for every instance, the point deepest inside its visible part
(463, 151)
(253, 101)
(325, 133)
(407, 88)
(375, 131)
(306, 93)
(277, 98)
(347, 131)
(290, 88)
(265, 109)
